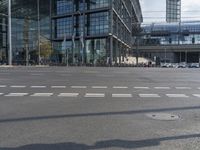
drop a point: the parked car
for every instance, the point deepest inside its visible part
(166, 65)
(182, 65)
(194, 65)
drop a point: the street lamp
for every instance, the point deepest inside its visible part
(82, 38)
(38, 15)
(9, 34)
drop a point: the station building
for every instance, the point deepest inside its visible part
(77, 32)
(170, 42)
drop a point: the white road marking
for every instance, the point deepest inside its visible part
(162, 88)
(120, 87)
(17, 86)
(183, 88)
(34, 74)
(94, 95)
(196, 95)
(149, 95)
(16, 94)
(99, 87)
(42, 94)
(38, 86)
(137, 87)
(92, 72)
(65, 75)
(122, 95)
(78, 87)
(3, 86)
(63, 71)
(4, 73)
(106, 76)
(58, 87)
(177, 95)
(1, 93)
(68, 94)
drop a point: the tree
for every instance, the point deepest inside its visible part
(46, 49)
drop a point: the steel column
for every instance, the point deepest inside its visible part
(9, 33)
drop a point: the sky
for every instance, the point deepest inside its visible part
(155, 10)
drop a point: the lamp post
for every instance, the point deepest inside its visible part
(165, 54)
(9, 34)
(82, 39)
(38, 22)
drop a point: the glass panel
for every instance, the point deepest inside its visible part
(96, 51)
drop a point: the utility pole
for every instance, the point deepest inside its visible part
(38, 15)
(9, 34)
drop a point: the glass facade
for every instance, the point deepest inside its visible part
(74, 31)
(170, 42)
(30, 28)
(171, 34)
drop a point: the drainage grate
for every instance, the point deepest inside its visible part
(163, 116)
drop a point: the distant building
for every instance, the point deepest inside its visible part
(170, 42)
(173, 10)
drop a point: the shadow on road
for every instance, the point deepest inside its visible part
(36, 118)
(123, 144)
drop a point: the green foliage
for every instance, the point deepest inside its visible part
(46, 50)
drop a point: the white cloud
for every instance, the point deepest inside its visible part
(190, 5)
(190, 10)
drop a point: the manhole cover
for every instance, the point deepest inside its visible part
(163, 116)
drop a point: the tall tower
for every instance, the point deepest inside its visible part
(173, 10)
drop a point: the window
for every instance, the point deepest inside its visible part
(97, 23)
(63, 27)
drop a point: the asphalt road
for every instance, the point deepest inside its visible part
(59, 108)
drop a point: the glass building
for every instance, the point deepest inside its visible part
(173, 10)
(75, 32)
(31, 31)
(170, 42)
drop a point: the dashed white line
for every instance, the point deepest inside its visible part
(162, 88)
(42, 94)
(17, 86)
(4, 73)
(78, 87)
(38, 86)
(16, 94)
(120, 87)
(122, 95)
(149, 95)
(68, 94)
(177, 95)
(65, 75)
(183, 88)
(33, 74)
(1, 93)
(137, 87)
(94, 95)
(58, 87)
(196, 95)
(3, 86)
(99, 87)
